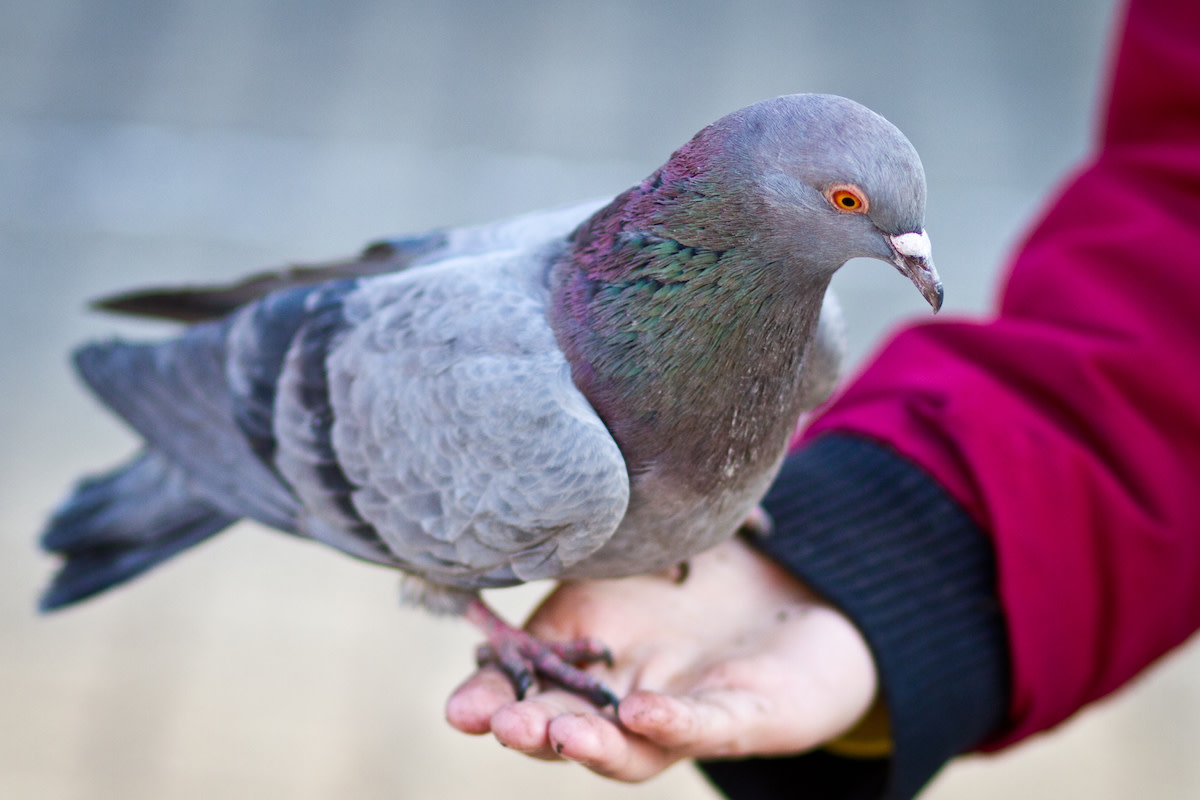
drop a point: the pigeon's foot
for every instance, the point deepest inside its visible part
(522, 657)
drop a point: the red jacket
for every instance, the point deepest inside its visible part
(1068, 426)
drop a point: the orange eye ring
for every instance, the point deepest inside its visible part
(847, 199)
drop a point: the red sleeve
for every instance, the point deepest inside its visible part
(1069, 425)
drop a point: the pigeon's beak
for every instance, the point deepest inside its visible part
(913, 256)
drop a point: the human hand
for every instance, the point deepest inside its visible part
(739, 659)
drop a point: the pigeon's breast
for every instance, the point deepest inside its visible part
(667, 523)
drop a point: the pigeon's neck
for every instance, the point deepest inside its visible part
(691, 356)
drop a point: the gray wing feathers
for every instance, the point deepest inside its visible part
(520, 232)
(477, 459)
(305, 457)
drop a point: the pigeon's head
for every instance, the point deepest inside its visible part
(802, 182)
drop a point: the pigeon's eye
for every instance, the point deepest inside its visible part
(848, 199)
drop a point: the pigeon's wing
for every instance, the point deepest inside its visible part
(275, 366)
(424, 419)
(198, 303)
(444, 421)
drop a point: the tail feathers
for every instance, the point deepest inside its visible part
(176, 394)
(119, 525)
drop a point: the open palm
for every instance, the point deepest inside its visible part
(738, 659)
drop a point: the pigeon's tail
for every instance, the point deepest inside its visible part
(120, 524)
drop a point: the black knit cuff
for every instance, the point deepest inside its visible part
(881, 541)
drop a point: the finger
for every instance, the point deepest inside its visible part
(670, 721)
(602, 746)
(473, 704)
(524, 726)
(718, 722)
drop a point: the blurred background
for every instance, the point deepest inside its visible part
(166, 142)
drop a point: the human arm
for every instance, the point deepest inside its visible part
(1067, 426)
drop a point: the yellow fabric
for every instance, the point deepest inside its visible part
(870, 738)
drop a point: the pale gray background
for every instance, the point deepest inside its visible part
(159, 141)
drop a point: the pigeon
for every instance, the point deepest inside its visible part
(587, 393)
